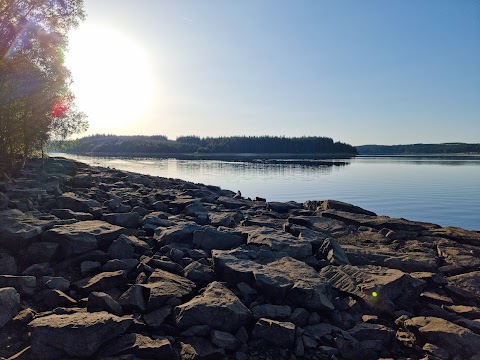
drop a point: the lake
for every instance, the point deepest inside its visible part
(440, 190)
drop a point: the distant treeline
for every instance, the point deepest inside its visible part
(160, 144)
(415, 149)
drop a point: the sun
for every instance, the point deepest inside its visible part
(113, 78)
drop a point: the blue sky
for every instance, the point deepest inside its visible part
(362, 72)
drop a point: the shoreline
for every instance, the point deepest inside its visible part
(85, 250)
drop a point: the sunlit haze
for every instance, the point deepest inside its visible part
(362, 72)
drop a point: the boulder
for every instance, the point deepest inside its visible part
(279, 241)
(74, 335)
(81, 237)
(210, 238)
(167, 289)
(9, 303)
(333, 252)
(224, 340)
(469, 283)
(379, 287)
(17, 232)
(296, 281)
(42, 251)
(324, 225)
(181, 233)
(216, 307)
(103, 281)
(69, 214)
(342, 206)
(76, 203)
(121, 249)
(274, 333)
(25, 285)
(378, 222)
(199, 273)
(100, 301)
(199, 348)
(156, 318)
(453, 338)
(8, 264)
(275, 312)
(133, 299)
(231, 203)
(141, 346)
(128, 220)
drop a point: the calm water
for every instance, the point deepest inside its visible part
(445, 191)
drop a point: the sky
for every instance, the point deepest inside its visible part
(361, 72)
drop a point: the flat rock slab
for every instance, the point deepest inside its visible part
(413, 261)
(324, 225)
(83, 236)
(74, 335)
(277, 240)
(469, 282)
(377, 286)
(458, 234)
(449, 336)
(17, 232)
(378, 222)
(217, 307)
(167, 289)
(460, 256)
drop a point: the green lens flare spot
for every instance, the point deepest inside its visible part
(374, 294)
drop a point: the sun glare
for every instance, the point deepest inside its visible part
(113, 78)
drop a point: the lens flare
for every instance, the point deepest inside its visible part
(374, 294)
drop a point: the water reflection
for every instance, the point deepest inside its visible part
(444, 189)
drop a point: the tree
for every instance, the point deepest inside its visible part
(35, 100)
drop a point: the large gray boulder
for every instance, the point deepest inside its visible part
(181, 233)
(456, 339)
(70, 200)
(103, 281)
(278, 240)
(17, 231)
(166, 288)
(210, 238)
(378, 286)
(74, 335)
(296, 281)
(9, 302)
(274, 333)
(217, 307)
(128, 219)
(82, 237)
(25, 285)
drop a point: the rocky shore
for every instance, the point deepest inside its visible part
(99, 263)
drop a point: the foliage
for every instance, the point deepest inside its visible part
(418, 149)
(35, 101)
(110, 144)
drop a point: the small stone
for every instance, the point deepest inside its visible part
(224, 340)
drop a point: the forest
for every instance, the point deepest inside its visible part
(418, 149)
(111, 144)
(36, 102)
